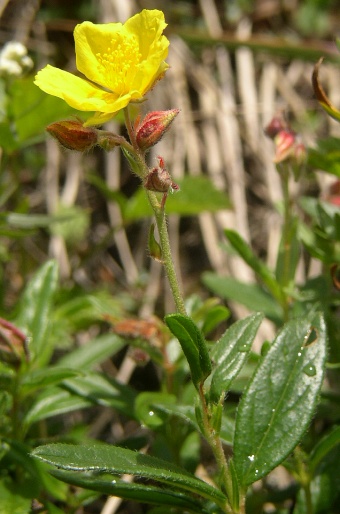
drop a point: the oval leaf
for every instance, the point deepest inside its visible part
(193, 346)
(280, 399)
(230, 353)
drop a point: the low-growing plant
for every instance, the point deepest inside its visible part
(250, 412)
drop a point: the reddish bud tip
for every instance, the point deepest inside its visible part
(276, 125)
(73, 135)
(153, 127)
(285, 145)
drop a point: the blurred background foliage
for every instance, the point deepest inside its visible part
(234, 65)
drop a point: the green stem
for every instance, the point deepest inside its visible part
(308, 495)
(215, 443)
(286, 236)
(166, 252)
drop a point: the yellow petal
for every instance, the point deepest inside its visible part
(93, 40)
(78, 93)
(125, 57)
(99, 118)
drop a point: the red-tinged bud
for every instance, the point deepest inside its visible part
(276, 125)
(285, 145)
(12, 343)
(73, 135)
(152, 128)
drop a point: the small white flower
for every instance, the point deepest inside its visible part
(14, 60)
(9, 67)
(13, 49)
(27, 62)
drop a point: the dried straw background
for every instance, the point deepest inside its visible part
(226, 98)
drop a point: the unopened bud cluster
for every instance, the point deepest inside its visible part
(14, 61)
(287, 143)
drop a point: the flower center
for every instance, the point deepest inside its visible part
(119, 63)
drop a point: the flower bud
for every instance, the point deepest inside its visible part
(158, 180)
(285, 145)
(152, 128)
(275, 126)
(12, 343)
(73, 135)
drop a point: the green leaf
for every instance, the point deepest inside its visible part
(33, 109)
(131, 491)
(94, 352)
(280, 400)
(14, 500)
(263, 272)
(144, 408)
(44, 377)
(230, 353)
(115, 460)
(35, 308)
(52, 402)
(193, 346)
(188, 415)
(196, 195)
(214, 317)
(102, 390)
(324, 446)
(327, 156)
(251, 295)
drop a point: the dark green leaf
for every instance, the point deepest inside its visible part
(116, 460)
(279, 402)
(324, 446)
(193, 346)
(214, 317)
(131, 491)
(35, 309)
(230, 353)
(251, 295)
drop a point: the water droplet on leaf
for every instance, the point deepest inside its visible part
(310, 370)
(251, 457)
(243, 348)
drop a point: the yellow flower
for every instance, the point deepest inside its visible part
(121, 63)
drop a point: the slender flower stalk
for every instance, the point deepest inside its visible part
(160, 217)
